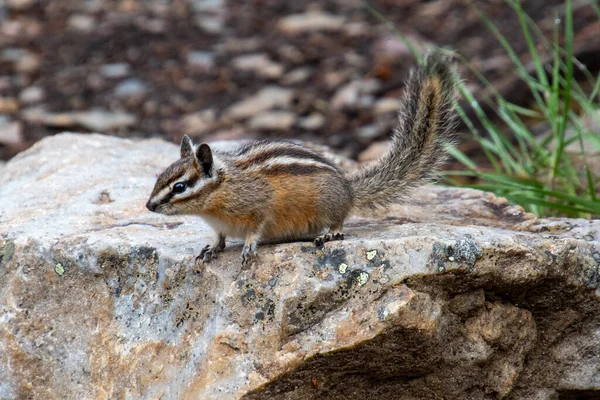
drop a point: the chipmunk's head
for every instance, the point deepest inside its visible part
(182, 185)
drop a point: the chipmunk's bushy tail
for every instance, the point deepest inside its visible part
(427, 118)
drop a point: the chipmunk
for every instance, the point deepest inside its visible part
(277, 190)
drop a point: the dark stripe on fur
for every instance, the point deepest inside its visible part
(263, 154)
(296, 169)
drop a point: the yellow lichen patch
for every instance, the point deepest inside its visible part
(343, 267)
(362, 278)
(59, 269)
(371, 254)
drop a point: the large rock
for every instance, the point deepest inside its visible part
(454, 295)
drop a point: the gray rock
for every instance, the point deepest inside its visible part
(19, 4)
(259, 64)
(81, 22)
(296, 76)
(199, 122)
(32, 94)
(266, 99)
(312, 122)
(456, 294)
(203, 60)
(116, 70)
(130, 88)
(95, 120)
(272, 121)
(355, 94)
(11, 133)
(386, 105)
(312, 21)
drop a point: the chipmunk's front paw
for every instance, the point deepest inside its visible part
(207, 254)
(249, 253)
(328, 237)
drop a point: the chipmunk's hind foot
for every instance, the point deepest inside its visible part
(328, 237)
(249, 253)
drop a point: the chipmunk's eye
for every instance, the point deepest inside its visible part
(179, 187)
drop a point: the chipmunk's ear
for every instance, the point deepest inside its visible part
(187, 147)
(204, 158)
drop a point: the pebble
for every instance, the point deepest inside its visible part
(28, 63)
(386, 105)
(131, 87)
(357, 93)
(260, 64)
(202, 60)
(115, 71)
(19, 4)
(94, 120)
(273, 120)
(296, 76)
(199, 122)
(213, 25)
(100, 121)
(312, 21)
(11, 133)
(32, 94)
(391, 48)
(369, 132)
(81, 23)
(312, 122)
(8, 105)
(374, 151)
(266, 99)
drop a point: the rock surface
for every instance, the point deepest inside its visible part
(456, 294)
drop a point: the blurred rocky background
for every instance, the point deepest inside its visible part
(326, 71)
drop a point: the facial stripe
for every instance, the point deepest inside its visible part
(204, 187)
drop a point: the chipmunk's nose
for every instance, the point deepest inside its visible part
(151, 206)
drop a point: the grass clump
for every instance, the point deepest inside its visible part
(550, 174)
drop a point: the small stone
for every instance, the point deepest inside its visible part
(355, 94)
(259, 64)
(386, 105)
(370, 131)
(32, 94)
(391, 48)
(312, 122)
(199, 122)
(28, 63)
(297, 76)
(100, 121)
(115, 71)
(11, 133)
(19, 4)
(213, 25)
(81, 22)
(312, 21)
(273, 120)
(131, 87)
(202, 60)
(95, 120)
(8, 105)
(266, 99)
(375, 151)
